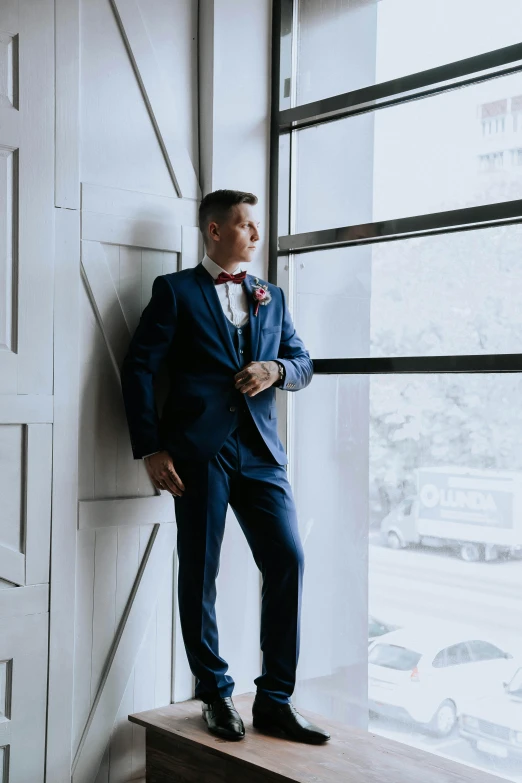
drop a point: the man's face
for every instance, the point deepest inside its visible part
(238, 235)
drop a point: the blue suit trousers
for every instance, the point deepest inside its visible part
(245, 475)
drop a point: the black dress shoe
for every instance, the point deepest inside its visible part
(223, 719)
(271, 717)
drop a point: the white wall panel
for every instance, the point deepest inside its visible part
(107, 467)
(129, 204)
(26, 694)
(119, 146)
(172, 29)
(83, 632)
(11, 472)
(104, 602)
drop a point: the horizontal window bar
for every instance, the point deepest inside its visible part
(488, 363)
(402, 89)
(419, 225)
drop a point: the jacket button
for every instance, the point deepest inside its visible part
(232, 409)
(240, 331)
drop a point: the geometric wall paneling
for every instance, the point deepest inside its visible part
(27, 257)
(9, 17)
(191, 247)
(67, 99)
(153, 667)
(12, 566)
(8, 248)
(24, 600)
(157, 96)
(25, 408)
(133, 270)
(118, 666)
(4, 762)
(102, 445)
(124, 512)
(142, 220)
(119, 145)
(113, 551)
(125, 539)
(25, 488)
(83, 628)
(122, 231)
(65, 475)
(5, 690)
(105, 302)
(26, 196)
(136, 206)
(23, 693)
(107, 467)
(118, 272)
(12, 455)
(30, 130)
(38, 503)
(149, 681)
(9, 67)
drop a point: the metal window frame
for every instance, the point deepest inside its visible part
(424, 84)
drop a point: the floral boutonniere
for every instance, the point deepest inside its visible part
(261, 294)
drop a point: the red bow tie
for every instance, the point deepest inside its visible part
(224, 277)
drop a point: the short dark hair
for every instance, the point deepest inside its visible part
(215, 206)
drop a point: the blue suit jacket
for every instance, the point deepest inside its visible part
(184, 326)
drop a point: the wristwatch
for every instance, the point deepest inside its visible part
(282, 373)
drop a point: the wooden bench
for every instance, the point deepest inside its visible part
(180, 750)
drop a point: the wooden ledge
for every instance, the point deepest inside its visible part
(180, 748)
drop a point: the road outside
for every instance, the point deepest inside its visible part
(420, 589)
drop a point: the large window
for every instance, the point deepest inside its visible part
(396, 209)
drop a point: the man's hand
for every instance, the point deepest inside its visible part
(256, 377)
(161, 471)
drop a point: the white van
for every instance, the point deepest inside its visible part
(478, 512)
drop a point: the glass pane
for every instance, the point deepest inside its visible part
(444, 578)
(283, 191)
(391, 656)
(452, 442)
(459, 149)
(329, 464)
(456, 293)
(347, 44)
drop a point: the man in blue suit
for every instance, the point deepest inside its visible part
(228, 340)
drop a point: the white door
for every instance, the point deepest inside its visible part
(138, 216)
(26, 378)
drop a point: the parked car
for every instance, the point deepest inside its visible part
(423, 676)
(493, 724)
(378, 628)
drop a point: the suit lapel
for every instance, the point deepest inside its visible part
(208, 287)
(254, 320)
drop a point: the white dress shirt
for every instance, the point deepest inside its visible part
(233, 298)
